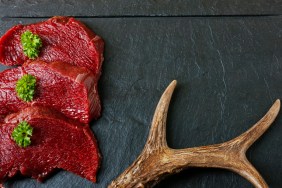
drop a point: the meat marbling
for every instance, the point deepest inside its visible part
(57, 142)
(67, 88)
(64, 39)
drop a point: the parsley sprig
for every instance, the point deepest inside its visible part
(25, 87)
(22, 133)
(31, 44)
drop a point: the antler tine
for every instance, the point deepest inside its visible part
(157, 134)
(246, 170)
(249, 137)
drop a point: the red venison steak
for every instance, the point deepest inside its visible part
(56, 143)
(67, 88)
(64, 39)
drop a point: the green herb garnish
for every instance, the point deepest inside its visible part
(31, 44)
(25, 87)
(22, 133)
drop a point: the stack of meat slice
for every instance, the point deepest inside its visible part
(66, 99)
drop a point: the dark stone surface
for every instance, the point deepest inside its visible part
(229, 72)
(35, 8)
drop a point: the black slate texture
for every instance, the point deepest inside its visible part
(41, 8)
(229, 72)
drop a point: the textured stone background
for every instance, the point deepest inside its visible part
(226, 57)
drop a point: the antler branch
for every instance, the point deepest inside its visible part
(157, 134)
(158, 160)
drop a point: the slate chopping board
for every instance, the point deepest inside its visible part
(229, 72)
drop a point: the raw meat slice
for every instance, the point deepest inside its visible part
(64, 39)
(56, 143)
(67, 88)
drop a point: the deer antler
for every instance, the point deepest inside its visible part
(158, 160)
